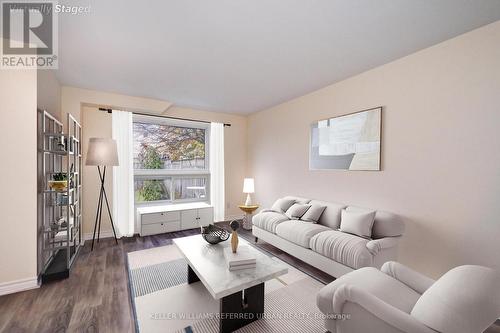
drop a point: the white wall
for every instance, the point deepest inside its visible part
(18, 193)
(49, 92)
(440, 150)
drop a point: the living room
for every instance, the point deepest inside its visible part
(251, 167)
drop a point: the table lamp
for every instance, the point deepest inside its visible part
(248, 187)
(102, 152)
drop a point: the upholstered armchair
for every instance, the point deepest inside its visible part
(398, 299)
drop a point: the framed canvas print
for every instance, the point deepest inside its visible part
(349, 142)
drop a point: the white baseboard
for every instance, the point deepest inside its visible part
(104, 234)
(18, 285)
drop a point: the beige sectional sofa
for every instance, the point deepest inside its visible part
(323, 245)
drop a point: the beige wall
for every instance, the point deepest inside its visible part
(83, 104)
(49, 92)
(441, 155)
(95, 123)
(72, 100)
(18, 194)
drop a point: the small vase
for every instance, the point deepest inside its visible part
(234, 241)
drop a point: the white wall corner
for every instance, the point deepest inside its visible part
(18, 285)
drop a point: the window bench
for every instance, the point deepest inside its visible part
(168, 218)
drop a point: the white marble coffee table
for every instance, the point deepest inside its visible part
(241, 293)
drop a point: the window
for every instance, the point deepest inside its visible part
(170, 160)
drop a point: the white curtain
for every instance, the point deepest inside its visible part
(216, 159)
(123, 175)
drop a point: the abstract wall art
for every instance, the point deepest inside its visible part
(348, 142)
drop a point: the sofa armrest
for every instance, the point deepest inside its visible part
(377, 245)
(416, 281)
(385, 312)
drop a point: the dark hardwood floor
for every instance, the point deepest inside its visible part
(95, 298)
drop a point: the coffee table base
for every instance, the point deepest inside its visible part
(192, 277)
(241, 308)
(238, 309)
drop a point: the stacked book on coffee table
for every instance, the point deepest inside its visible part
(242, 259)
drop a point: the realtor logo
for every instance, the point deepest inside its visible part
(29, 35)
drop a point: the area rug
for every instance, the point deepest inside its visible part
(164, 302)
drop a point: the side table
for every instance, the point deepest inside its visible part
(247, 218)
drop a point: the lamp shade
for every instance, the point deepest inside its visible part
(248, 185)
(102, 151)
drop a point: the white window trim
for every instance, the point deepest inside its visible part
(175, 174)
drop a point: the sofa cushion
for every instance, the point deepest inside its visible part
(465, 299)
(331, 214)
(299, 200)
(313, 213)
(385, 225)
(296, 211)
(268, 220)
(374, 282)
(299, 232)
(344, 248)
(282, 205)
(357, 223)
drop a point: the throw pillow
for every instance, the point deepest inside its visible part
(282, 205)
(313, 213)
(357, 223)
(296, 211)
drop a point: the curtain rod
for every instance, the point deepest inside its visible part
(169, 117)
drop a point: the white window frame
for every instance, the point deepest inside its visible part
(159, 174)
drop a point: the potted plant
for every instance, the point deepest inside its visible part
(59, 182)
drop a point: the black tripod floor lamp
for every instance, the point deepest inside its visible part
(102, 153)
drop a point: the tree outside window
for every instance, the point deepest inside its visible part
(170, 162)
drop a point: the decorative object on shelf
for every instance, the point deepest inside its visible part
(71, 176)
(62, 199)
(214, 234)
(59, 143)
(102, 152)
(234, 235)
(248, 188)
(62, 222)
(247, 217)
(54, 226)
(59, 182)
(348, 142)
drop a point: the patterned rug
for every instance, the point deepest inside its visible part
(164, 302)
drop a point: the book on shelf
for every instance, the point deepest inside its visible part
(242, 257)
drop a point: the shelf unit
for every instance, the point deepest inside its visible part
(59, 211)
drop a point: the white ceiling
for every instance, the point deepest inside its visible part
(242, 56)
